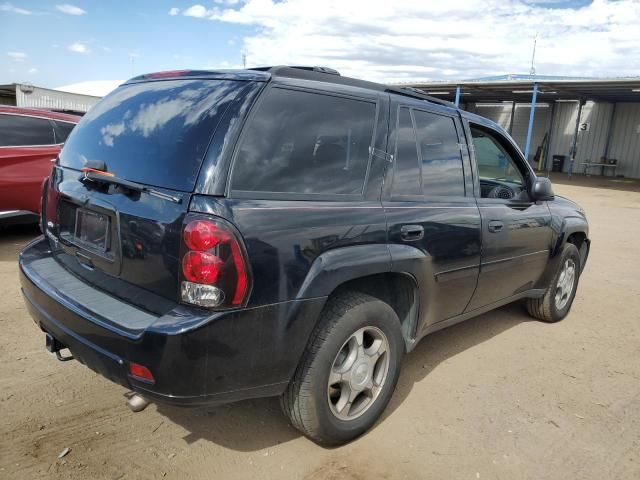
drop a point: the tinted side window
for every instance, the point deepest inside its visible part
(63, 129)
(406, 176)
(306, 143)
(495, 166)
(493, 161)
(17, 130)
(442, 173)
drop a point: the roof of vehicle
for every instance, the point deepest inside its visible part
(264, 74)
(39, 112)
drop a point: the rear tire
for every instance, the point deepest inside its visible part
(556, 302)
(348, 372)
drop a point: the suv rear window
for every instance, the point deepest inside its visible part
(305, 143)
(154, 133)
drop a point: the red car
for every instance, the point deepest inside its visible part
(29, 140)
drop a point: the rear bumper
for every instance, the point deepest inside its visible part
(196, 357)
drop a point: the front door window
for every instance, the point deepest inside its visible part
(499, 175)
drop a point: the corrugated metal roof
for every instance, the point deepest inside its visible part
(519, 90)
(38, 97)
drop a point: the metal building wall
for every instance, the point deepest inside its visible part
(625, 138)
(591, 143)
(564, 123)
(540, 126)
(45, 98)
(625, 141)
(501, 114)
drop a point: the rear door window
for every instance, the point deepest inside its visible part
(442, 173)
(62, 129)
(301, 142)
(406, 174)
(22, 131)
(155, 133)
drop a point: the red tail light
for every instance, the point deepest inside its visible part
(203, 235)
(201, 267)
(140, 372)
(214, 267)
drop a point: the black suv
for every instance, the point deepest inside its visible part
(216, 236)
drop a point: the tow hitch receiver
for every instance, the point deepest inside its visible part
(54, 346)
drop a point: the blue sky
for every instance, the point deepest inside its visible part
(121, 39)
(54, 43)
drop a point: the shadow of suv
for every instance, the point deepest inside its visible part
(217, 236)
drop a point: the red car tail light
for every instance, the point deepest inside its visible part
(203, 235)
(201, 267)
(214, 266)
(140, 372)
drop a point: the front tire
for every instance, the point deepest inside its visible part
(348, 372)
(556, 302)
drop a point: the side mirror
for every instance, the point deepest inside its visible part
(541, 189)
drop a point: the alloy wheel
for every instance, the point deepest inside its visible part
(565, 284)
(358, 373)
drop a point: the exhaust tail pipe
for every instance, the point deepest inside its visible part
(137, 403)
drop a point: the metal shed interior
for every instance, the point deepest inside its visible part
(608, 125)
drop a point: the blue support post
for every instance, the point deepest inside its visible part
(457, 96)
(532, 113)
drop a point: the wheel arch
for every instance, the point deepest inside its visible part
(573, 230)
(367, 269)
(399, 290)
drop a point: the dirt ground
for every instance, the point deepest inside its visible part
(499, 396)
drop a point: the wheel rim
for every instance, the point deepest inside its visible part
(566, 281)
(358, 373)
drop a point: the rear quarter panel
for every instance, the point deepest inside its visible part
(284, 237)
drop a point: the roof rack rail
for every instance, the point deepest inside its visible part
(327, 70)
(333, 76)
(417, 93)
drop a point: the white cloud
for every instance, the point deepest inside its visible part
(18, 56)
(78, 48)
(7, 7)
(97, 88)
(70, 9)
(420, 39)
(174, 11)
(33, 70)
(110, 131)
(198, 11)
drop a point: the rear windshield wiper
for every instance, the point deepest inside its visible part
(98, 176)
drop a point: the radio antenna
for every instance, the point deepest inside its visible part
(532, 71)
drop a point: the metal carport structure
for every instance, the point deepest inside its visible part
(535, 90)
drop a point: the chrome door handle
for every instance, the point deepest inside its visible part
(410, 233)
(495, 226)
